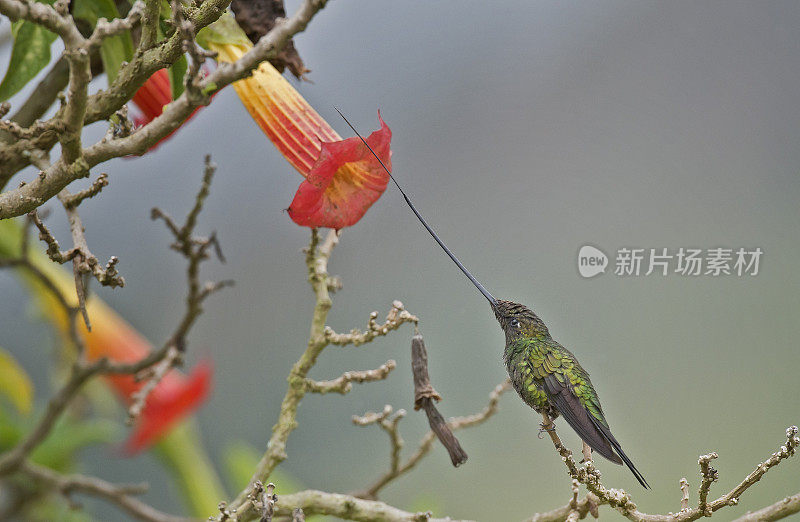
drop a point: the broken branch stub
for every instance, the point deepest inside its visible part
(425, 397)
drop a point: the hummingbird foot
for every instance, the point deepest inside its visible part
(549, 428)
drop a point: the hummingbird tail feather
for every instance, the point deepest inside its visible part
(578, 418)
(615, 444)
(588, 427)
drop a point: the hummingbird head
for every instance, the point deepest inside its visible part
(517, 320)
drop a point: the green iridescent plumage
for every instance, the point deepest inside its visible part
(550, 380)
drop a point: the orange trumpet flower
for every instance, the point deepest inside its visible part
(173, 399)
(343, 179)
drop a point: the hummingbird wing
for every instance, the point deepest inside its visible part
(569, 389)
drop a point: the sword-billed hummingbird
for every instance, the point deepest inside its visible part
(546, 375)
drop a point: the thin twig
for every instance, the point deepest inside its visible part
(118, 495)
(343, 383)
(622, 502)
(196, 250)
(80, 109)
(426, 443)
(396, 317)
(684, 494)
(389, 424)
(73, 200)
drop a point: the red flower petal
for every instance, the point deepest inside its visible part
(151, 98)
(344, 182)
(175, 397)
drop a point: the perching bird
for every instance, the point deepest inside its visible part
(545, 374)
(550, 380)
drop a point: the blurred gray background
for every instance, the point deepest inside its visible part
(522, 130)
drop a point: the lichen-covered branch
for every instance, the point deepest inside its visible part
(82, 109)
(396, 317)
(343, 383)
(317, 255)
(623, 503)
(389, 424)
(349, 508)
(426, 443)
(781, 509)
(317, 265)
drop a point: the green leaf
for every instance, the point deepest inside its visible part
(223, 31)
(15, 383)
(240, 459)
(208, 89)
(11, 429)
(176, 73)
(30, 54)
(115, 49)
(68, 437)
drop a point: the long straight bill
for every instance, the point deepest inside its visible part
(447, 251)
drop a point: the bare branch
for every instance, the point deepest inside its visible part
(118, 495)
(343, 383)
(396, 317)
(426, 443)
(268, 500)
(195, 250)
(709, 476)
(71, 201)
(388, 423)
(622, 502)
(44, 15)
(149, 25)
(12, 459)
(425, 397)
(345, 506)
(778, 510)
(105, 28)
(317, 255)
(102, 105)
(684, 494)
(153, 376)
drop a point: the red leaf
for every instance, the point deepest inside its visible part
(344, 182)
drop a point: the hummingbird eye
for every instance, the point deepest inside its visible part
(515, 323)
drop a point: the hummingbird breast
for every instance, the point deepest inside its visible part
(530, 391)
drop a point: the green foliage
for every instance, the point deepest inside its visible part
(30, 54)
(176, 73)
(115, 49)
(15, 383)
(59, 449)
(223, 31)
(240, 458)
(211, 87)
(177, 69)
(184, 457)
